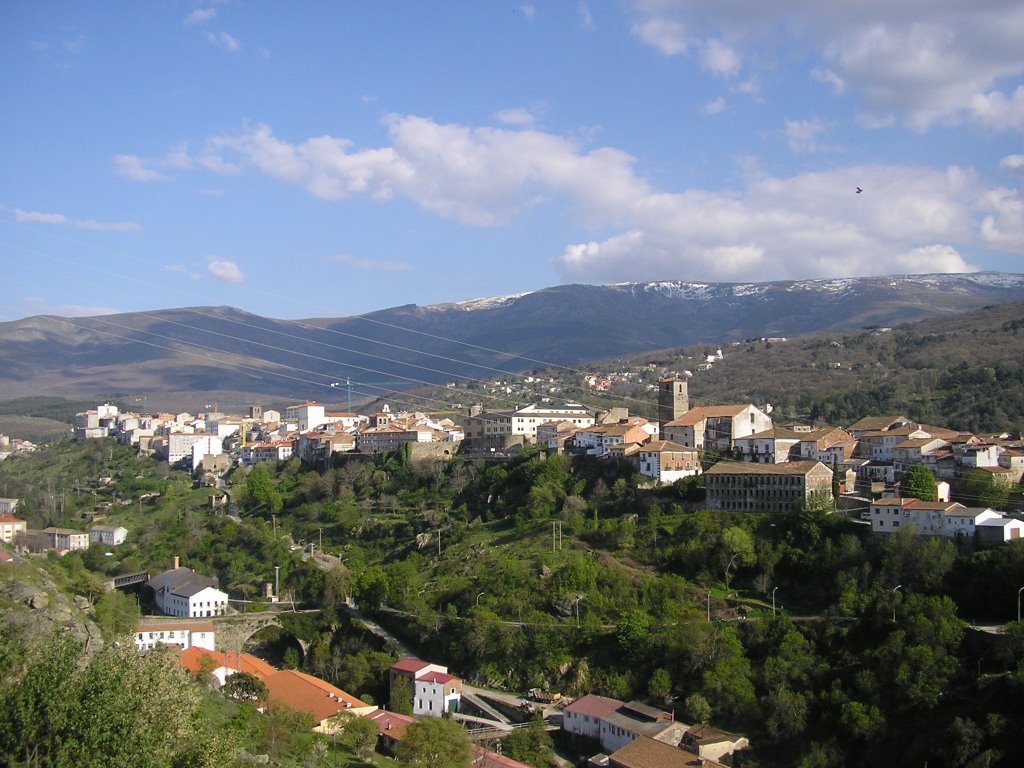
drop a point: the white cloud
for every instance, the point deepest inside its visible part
(62, 220)
(36, 305)
(802, 136)
(945, 63)
(1012, 163)
(223, 41)
(713, 107)
(1004, 228)
(529, 11)
(225, 271)
(586, 17)
(519, 116)
(132, 167)
(809, 224)
(666, 35)
(719, 58)
(200, 16)
(372, 265)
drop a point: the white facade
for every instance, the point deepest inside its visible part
(306, 415)
(929, 518)
(109, 535)
(149, 635)
(209, 445)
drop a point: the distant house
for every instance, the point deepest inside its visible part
(633, 720)
(666, 462)
(994, 531)
(929, 518)
(645, 752)
(434, 691)
(186, 634)
(109, 535)
(712, 743)
(10, 527)
(66, 539)
(8, 506)
(743, 487)
(306, 693)
(277, 451)
(583, 716)
(772, 446)
(716, 427)
(183, 592)
(392, 727)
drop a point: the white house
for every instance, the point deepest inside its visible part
(306, 415)
(183, 592)
(186, 634)
(434, 691)
(109, 535)
(929, 518)
(716, 427)
(583, 716)
(666, 462)
(207, 445)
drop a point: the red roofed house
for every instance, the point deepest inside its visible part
(391, 725)
(434, 691)
(10, 527)
(583, 716)
(305, 693)
(195, 659)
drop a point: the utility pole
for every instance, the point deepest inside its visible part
(277, 582)
(438, 542)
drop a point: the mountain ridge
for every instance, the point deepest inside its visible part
(223, 348)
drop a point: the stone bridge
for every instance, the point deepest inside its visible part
(234, 631)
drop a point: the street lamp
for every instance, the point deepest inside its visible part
(773, 600)
(277, 582)
(578, 610)
(1018, 602)
(478, 598)
(894, 602)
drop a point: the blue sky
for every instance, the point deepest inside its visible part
(309, 159)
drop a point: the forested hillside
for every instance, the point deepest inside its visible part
(567, 575)
(963, 372)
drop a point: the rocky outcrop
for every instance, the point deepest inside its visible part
(33, 607)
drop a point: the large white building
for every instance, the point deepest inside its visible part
(183, 592)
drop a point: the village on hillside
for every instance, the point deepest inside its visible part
(747, 463)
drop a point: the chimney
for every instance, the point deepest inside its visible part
(177, 562)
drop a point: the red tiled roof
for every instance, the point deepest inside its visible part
(191, 659)
(391, 724)
(409, 665)
(437, 677)
(10, 519)
(593, 705)
(485, 758)
(306, 693)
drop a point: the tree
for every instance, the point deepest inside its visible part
(981, 489)
(260, 490)
(120, 709)
(919, 483)
(660, 684)
(358, 733)
(117, 614)
(242, 686)
(633, 632)
(737, 549)
(531, 745)
(697, 708)
(401, 696)
(435, 742)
